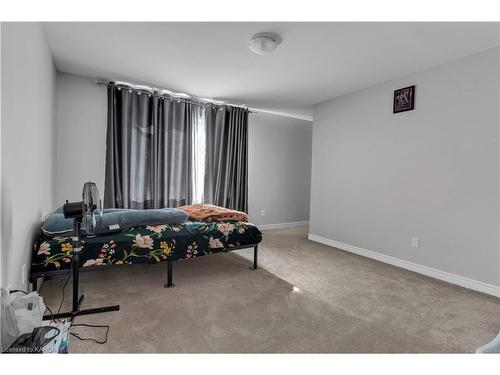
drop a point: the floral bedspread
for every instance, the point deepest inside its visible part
(148, 244)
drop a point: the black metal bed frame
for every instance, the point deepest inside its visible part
(168, 276)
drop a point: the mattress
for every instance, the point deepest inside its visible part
(145, 244)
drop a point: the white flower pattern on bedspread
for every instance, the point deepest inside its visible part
(214, 243)
(93, 262)
(225, 228)
(44, 248)
(145, 242)
(156, 228)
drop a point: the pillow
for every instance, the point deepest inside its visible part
(114, 219)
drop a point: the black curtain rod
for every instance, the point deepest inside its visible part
(168, 95)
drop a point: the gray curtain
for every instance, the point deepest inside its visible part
(226, 176)
(149, 151)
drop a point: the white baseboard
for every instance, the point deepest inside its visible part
(283, 225)
(465, 282)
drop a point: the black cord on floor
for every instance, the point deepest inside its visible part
(84, 325)
(80, 324)
(89, 338)
(52, 319)
(62, 299)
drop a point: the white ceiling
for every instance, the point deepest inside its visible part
(315, 62)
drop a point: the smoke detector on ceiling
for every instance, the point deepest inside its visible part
(264, 43)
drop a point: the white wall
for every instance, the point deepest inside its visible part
(81, 136)
(380, 178)
(28, 147)
(279, 168)
(279, 153)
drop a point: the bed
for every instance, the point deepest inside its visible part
(145, 244)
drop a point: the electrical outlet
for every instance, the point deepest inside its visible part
(263, 213)
(415, 242)
(24, 274)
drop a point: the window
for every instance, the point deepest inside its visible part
(198, 153)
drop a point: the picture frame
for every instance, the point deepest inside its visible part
(404, 99)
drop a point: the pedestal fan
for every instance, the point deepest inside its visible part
(87, 212)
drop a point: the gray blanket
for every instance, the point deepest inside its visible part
(114, 219)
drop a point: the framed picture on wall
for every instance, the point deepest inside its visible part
(404, 99)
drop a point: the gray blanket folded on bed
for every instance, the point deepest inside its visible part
(114, 219)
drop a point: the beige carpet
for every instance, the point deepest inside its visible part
(306, 298)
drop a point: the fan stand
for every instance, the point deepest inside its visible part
(77, 299)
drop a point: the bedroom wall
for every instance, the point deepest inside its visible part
(380, 178)
(279, 153)
(28, 147)
(81, 136)
(279, 169)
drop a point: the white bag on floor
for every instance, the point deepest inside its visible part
(9, 322)
(29, 309)
(491, 347)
